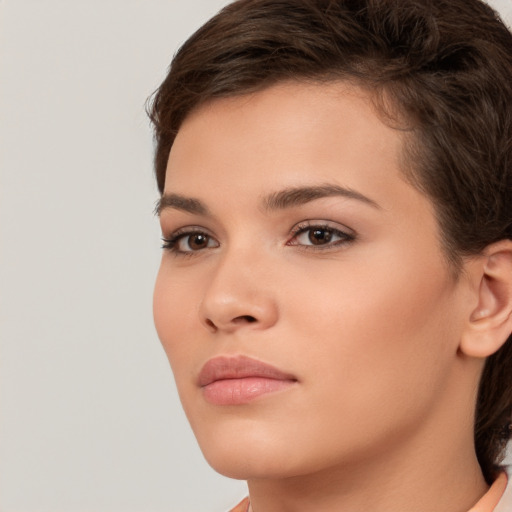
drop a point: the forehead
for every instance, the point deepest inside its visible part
(301, 126)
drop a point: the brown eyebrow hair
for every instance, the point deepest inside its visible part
(296, 196)
(287, 198)
(179, 202)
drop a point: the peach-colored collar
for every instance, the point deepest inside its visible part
(491, 498)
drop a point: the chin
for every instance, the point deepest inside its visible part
(249, 464)
(245, 453)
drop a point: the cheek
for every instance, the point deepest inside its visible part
(391, 293)
(174, 312)
(375, 333)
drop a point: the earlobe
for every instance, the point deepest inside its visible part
(490, 322)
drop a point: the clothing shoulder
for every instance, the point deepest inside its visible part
(243, 506)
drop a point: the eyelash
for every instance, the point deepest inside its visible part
(171, 244)
(344, 237)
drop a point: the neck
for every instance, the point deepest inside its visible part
(422, 484)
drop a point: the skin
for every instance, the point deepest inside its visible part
(381, 415)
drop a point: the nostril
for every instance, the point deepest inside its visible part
(244, 318)
(210, 324)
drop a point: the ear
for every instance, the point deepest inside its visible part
(490, 322)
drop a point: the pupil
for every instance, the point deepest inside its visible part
(198, 241)
(320, 236)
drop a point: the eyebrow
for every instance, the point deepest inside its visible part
(296, 196)
(287, 198)
(178, 202)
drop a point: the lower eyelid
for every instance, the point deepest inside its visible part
(333, 246)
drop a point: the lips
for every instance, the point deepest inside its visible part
(240, 379)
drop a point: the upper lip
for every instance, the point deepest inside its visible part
(239, 367)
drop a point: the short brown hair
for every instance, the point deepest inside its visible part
(446, 65)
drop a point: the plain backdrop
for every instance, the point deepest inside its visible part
(89, 418)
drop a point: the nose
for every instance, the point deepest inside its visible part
(239, 296)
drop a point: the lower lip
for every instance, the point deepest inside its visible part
(242, 391)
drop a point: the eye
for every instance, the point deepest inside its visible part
(320, 236)
(189, 242)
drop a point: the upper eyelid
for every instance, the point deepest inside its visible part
(184, 230)
(342, 234)
(326, 224)
(307, 224)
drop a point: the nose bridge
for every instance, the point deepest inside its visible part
(239, 293)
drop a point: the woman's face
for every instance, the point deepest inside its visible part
(294, 241)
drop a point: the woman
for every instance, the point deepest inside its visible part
(335, 293)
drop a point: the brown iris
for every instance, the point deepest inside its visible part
(320, 236)
(198, 241)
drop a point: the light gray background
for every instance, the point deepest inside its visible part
(89, 419)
